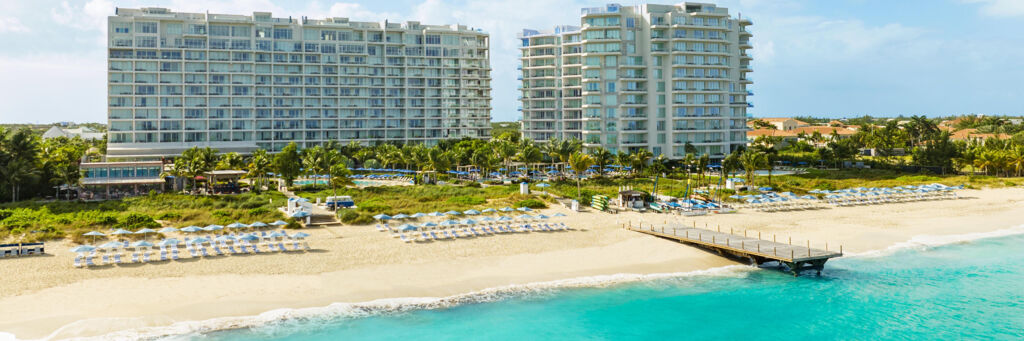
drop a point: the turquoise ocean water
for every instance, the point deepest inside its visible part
(961, 290)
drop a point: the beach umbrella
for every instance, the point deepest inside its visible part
(471, 212)
(145, 231)
(226, 238)
(436, 214)
(505, 218)
(213, 228)
(83, 248)
(279, 223)
(487, 219)
(525, 216)
(169, 242)
(111, 245)
(237, 225)
(541, 216)
(400, 216)
(429, 224)
(382, 216)
(506, 209)
(199, 240)
(524, 209)
(408, 227)
(543, 185)
(258, 224)
(300, 214)
(249, 238)
(142, 243)
(122, 231)
(300, 235)
(192, 229)
(469, 221)
(450, 222)
(559, 214)
(278, 234)
(418, 215)
(168, 230)
(489, 210)
(453, 212)
(94, 234)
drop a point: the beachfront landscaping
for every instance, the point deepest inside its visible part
(30, 221)
(393, 200)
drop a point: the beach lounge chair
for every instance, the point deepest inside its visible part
(404, 239)
(145, 257)
(217, 250)
(135, 257)
(305, 245)
(255, 249)
(78, 261)
(425, 236)
(203, 251)
(380, 228)
(163, 255)
(232, 249)
(295, 245)
(106, 259)
(117, 258)
(434, 235)
(192, 250)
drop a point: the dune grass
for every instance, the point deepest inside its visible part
(393, 200)
(30, 221)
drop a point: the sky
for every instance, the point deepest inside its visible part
(836, 58)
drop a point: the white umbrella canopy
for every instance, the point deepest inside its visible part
(279, 223)
(168, 230)
(83, 248)
(122, 231)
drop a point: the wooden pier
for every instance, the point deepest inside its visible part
(796, 258)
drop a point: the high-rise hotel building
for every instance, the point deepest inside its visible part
(238, 82)
(655, 77)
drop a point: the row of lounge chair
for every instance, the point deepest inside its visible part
(196, 250)
(18, 250)
(887, 198)
(476, 231)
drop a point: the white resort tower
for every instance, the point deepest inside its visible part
(655, 77)
(239, 82)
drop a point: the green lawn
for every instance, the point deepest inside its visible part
(35, 220)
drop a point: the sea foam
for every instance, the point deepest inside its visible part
(925, 242)
(288, 320)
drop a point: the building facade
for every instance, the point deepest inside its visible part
(238, 82)
(655, 77)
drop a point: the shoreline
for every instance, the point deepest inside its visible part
(440, 270)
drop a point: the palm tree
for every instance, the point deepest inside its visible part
(602, 158)
(639, 158)
(1016, 160)
(505, 150)
(623, 159)
(529, 154)
(230, 160)
(18, 171)
(751, 161)
(259, 166)
(768, 146)
(702, 167)
(197, 161)
(313, 161)
(579, 162)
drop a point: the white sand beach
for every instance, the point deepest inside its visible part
(46, 297)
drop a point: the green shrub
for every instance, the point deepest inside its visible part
(5, 213)
(374, 207)
(221, 214)
(467, 200)
(169, 216)
(258, 211)
(473, 184)
(134, 221)
(354, 218)
(531, 203)
(293, 224)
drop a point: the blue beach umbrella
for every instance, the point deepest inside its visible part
(429, 224)
(83, 248)
(213, 228)
(169, 242)
(145, 231)
(199, 240)
(279, 223)
(300, 214)
(112, 245)
(249, 238)
(489, 210)
(401, 216)
(408, 227)
(300, 235)
(94, 234)
(559, 214)
(168, 230)
(122, 231)
(382, 216)
(260, 224)
(487, 219)
(524, 209)
(543, 185)
(142, 243)
(237, 225)
(192, 229)
(469, 222)
(418, 215)
(471, 212)
(541, 216)
(505, 218)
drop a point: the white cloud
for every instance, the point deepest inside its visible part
(1000, 8)
(12, 25)
(357, 12)
(90, 16)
